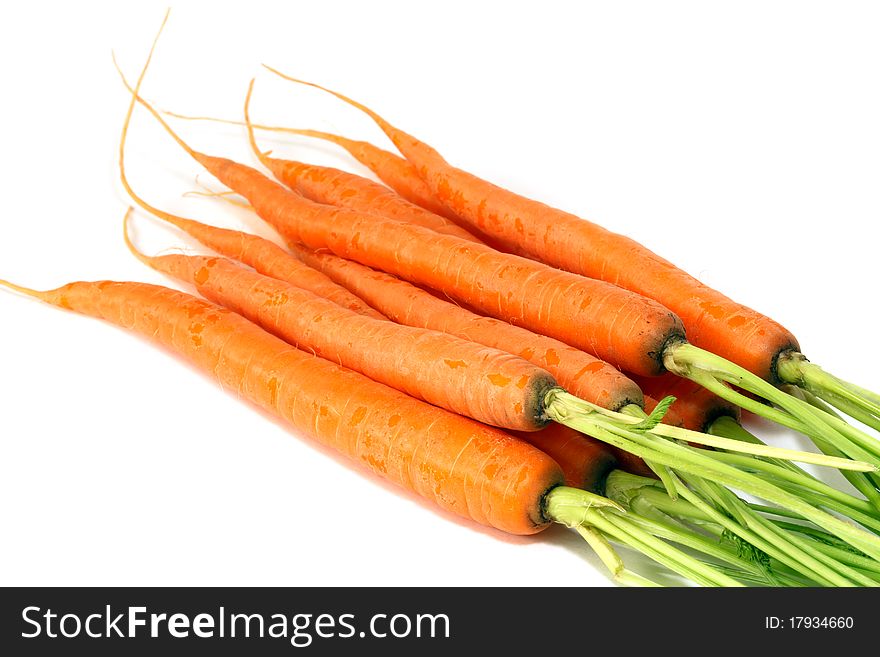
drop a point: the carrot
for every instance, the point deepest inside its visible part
(343, 189)
(582, 374)
(574, 370)
(627, 329)
(393, 170)
(466, 468)
(272, 260)
(585, 462)
(333, 186)
(713, 321)
(284, 210)
(485, 384)
(571, 243)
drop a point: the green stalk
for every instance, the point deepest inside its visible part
(867, 394)
(644, 496)
(798, 478)
(706, 518)
(702, 464)
(611, 559)
(632, 414)
(576, 508)
(870, 522)
(863, 511)
(635, 419)
(714, 373)
(674, 531)
(860, 482)
(853, 410)
(840, 552)
(661, 551)
(779, 537)
(789, 555)
(794, 368)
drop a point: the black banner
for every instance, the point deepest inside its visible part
(333, 621)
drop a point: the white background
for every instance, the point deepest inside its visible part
(740, 140)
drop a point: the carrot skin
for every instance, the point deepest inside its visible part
(625, 329)
(344, 189)
(622, 328)
(270, 259)
(393, 170)
(581, 374)
(585, 462)
(486, 384)
(466, 468)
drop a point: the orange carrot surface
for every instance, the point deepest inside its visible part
(485, 384)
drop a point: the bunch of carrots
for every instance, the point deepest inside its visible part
(505, 360)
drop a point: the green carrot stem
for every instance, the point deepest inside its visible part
(705, 545)
(859, 481)
(799, 478)
(611, 559)
(577, 508)
(660, 551)
(789, 555)
(869, 522)
(654, 498)
(729, 427)
(796, 369)
(697, 462)
(634, 416)
(714, 372)
(863, 511)
(791, 545)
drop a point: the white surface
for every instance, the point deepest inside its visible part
(742, 142)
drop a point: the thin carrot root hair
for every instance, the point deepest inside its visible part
(227, 195)
(21, 289)
(363, 108)
(263, 157)
(174, 220)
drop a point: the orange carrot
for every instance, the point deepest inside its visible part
(270, 259)
(390, 168)
(464, 467)
(757, 345)
(580, 373)
(485, 384)
(585, 462)
(343, 189)
(333, 186)
(469, 469)
(393, 170)
(623, 328)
